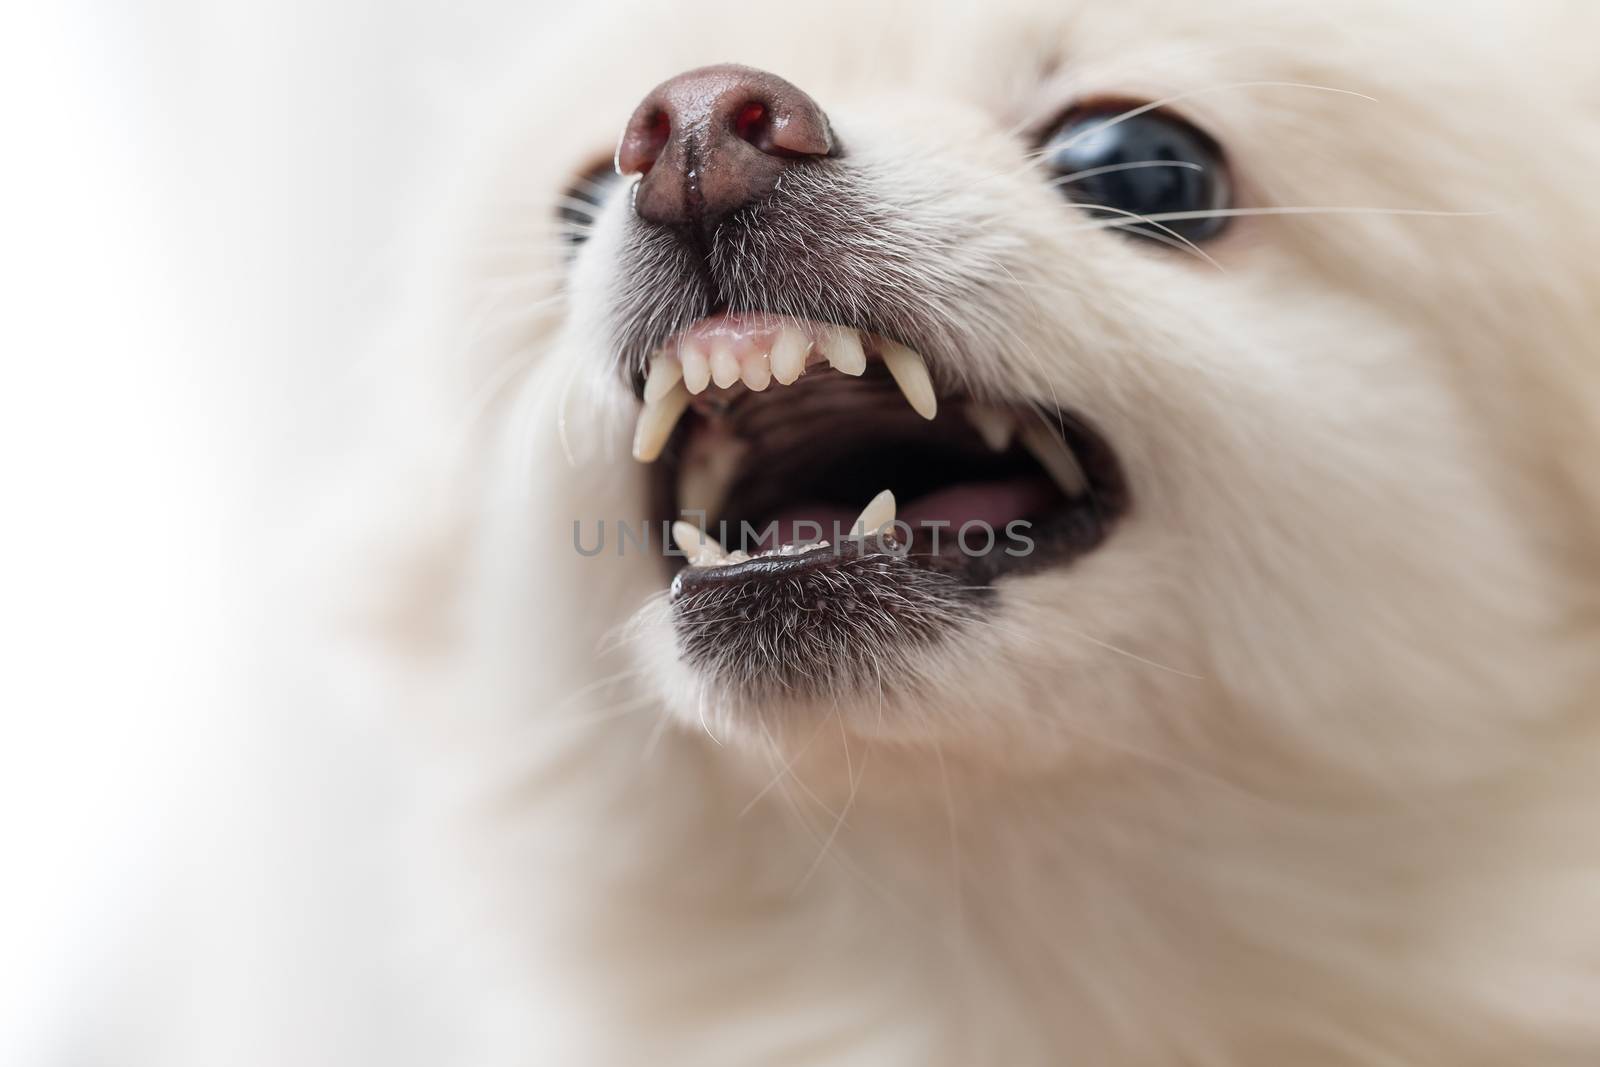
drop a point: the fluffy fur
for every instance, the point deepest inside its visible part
(1300, 767)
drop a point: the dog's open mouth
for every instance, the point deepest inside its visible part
(770, 434)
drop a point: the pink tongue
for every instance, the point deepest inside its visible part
(993, 503)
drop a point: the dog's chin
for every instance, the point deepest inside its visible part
(876, 683)
(915, 677)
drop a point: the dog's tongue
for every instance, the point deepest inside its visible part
(994, 504)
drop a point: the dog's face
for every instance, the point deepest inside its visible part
(1210, 327)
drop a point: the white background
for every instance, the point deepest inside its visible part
(200, 208)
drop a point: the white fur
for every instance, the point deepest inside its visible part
(1300, 767)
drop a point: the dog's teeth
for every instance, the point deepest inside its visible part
(665, 372)
(875, 516)
(843, 350)
(696, 366)
(789, 353)
(910, 373)
(702, 551)
(724, 364)
(1055, 457)
(656, 422)
(996, 427)
(756, 373)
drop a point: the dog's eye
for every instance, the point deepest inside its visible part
(1152, 164)
(580, 204)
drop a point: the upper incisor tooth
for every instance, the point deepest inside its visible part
(724, 364)
(875, 516)
(1055, 457)
(910, 373)
(701, 549)
(789, 353)
(665, 372)
(656, 421)
(996, 427)
(843, 350)
(696, 368)
(755, 372)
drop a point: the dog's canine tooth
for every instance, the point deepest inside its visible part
(656, 421)
(875, 516)
(843, 350)
(702, 550)
(996, 427)
(1055, 457)
(789, 353)
(696, 365)
(755, 372)
(910, 373)
(724, 364)
(665, 372)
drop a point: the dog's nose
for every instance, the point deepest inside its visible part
(712, 140)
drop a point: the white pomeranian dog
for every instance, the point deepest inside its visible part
(1200, 405)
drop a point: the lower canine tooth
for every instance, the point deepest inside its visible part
(875, 516)
(994, 426)
(665, 372)
(1055, 457)
(656, 422)
(843, 350)
(701, 550)
(910, 373)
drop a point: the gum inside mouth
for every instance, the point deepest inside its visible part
(770, 434)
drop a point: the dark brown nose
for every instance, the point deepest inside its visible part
(712, 140)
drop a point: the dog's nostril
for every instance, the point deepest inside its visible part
(752, 125)
(646, 146)
(713, 140)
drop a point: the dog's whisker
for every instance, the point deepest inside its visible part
(1245, 212)
(1164, 235)
(844, 810)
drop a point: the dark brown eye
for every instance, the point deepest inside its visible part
(580, 204)
(1153, 164)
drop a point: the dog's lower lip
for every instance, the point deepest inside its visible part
(690, 579)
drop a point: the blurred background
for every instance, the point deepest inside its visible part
(204, 206)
